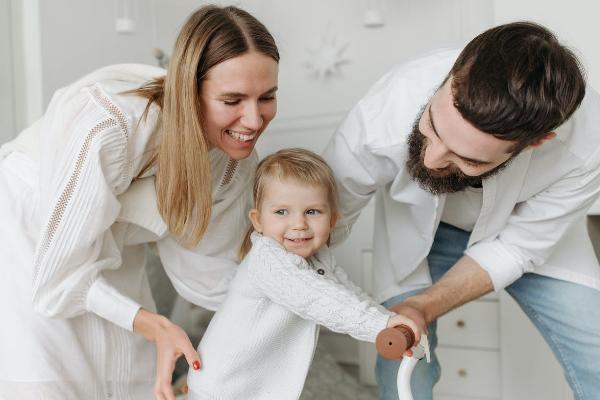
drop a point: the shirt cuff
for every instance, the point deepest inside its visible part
(502, 266)
(105, 301)
(380, 321)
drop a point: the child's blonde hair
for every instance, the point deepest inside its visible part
(301, 165)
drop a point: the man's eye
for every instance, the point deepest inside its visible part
(472, 163)
(231, 102)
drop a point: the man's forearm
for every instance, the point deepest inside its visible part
(464, 282)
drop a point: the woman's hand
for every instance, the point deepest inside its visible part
(171, 343)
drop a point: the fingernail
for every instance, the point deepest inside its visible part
(196, 364)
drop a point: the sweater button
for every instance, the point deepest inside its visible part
(321, 271)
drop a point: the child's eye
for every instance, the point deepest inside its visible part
(231, 102)
(313, 211)
(281, 212)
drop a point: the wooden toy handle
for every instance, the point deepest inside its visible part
(391, 343)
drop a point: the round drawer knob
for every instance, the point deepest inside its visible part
(462, 373)
(461, 323)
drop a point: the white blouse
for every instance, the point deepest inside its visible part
(80, 161)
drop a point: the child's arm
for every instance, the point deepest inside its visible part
(341, 275)
(286, 279)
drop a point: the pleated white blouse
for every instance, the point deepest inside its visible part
(74, 228)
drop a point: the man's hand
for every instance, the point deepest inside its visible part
(412, 312)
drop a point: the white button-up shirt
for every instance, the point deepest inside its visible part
(533, 212)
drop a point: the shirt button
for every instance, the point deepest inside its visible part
(321, 271)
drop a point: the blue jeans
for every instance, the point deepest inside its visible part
(566, 314)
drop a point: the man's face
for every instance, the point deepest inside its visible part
(447, 154)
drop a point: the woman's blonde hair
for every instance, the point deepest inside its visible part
(210, 36)
(297, 164)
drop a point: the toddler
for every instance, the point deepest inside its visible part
(260, 343)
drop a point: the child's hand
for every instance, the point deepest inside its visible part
(398, 319)
(413, 311)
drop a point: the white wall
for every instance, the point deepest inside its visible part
(7, 125)
(78, 36)
(20, 65)
(575, 22)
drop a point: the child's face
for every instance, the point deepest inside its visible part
(296, 215)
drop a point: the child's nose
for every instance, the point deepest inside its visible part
(299, 222)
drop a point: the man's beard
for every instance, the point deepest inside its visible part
(447, 180)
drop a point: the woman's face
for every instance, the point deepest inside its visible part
(238, 101)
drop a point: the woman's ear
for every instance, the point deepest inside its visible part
(254, 216)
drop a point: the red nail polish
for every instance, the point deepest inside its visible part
(196, 364)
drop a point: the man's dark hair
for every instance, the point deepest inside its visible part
(517, 82)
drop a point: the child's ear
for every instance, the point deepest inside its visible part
(254, 216)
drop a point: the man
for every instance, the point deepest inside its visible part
(486, 189)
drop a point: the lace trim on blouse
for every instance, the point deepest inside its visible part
(229, 173)
(67, 194)
(117, 119)
(120, 118)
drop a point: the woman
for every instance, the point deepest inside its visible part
(124, 157)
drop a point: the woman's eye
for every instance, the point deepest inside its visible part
(313, 211)
(281, 212)
(231, 102)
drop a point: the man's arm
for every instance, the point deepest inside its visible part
(464, 282)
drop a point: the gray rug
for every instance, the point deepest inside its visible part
(327, 380)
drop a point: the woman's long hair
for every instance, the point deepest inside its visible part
(210, 36)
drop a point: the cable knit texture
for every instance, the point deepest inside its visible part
(260, 343)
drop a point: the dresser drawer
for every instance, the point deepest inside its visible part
(474, 373)
(473, 325)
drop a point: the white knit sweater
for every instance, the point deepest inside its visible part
(260, 343)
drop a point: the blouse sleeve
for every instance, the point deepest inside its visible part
(287, 280)
(84, 166)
